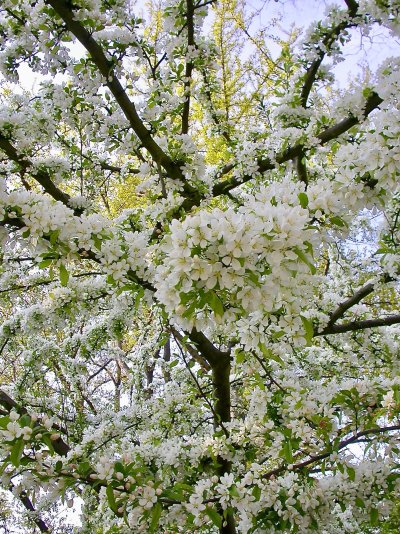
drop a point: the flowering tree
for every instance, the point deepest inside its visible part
(195, 335)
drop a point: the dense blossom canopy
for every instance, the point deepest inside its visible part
(199, 288)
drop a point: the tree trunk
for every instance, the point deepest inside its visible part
(222, 394)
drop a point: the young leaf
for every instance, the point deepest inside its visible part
(16, 452)
(303, 199)
(308, 328)
(305, 260)
(46, 439)
(155, 516)
(214, 516)
(351, 472)
(287, 451)
(374, 517)
(269, 355)
(240, 356)
(45, 263)
(111, 499)
(359, 502)
(216, 304)
(64, 275)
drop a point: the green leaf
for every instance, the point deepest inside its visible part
(214, 516)
(366, 92)
(269, 355)
(111, 499)
(240, 356)
(396, 393)
(305, 260)
(4, 465)
(172, 494)
(155, 516)
(256, 493)
(25, 420)
(351, 472)
(184, 487)
(46, 439)
(119, 466)
(64, 275)
(189, 312)
(4, 421)
(84, 468)
(374, 517)
(233, 491)
(277, 335)
(26, 461)
(303, 199)
(253, 277)
(308, 328)
(59, 465)
(16, 452)
(338, 221)
(54, 236)
(287, 451)
(216, 304)
(45, 263)
(360, 503)
(96, 241)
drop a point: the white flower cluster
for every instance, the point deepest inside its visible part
(223, 265)
(117, 251)
(14, 430)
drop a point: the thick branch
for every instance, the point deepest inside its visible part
(301, 169)
(350, 302)
(189, 66)
(9, 404)
(106, 68)
(222, 390)
(352, 5)
(343, 444)
(206, 348)
(358, 296)
(23, 497)
(373, 101)
(359, 325)
(220, 363)
(326, 44)
(193, 353)
(39, 175)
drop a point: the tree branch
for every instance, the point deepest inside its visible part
(42, 177)
(23, 497)
(350, 302)
(193, 353)
(359, 325)
(189, 66)
(9, 404)
(106, 69)
(322, 50)
(372, 102)
(220, 362)
(343, 444)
